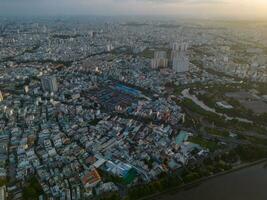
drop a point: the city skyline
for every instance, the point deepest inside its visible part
(133, 100)
(208, 9)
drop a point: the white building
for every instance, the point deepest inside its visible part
(160, 60)
(110, 47)
(1, 97)
(180, 46)
(3, 193)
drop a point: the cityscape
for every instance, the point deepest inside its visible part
(95, 107)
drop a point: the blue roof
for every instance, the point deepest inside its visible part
(128, 90)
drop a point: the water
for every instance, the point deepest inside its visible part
(246, 184)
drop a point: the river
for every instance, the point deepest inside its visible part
(245, 184)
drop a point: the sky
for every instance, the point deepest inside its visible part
(230, 9)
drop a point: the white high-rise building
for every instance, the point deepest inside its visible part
(26, 89)
(110, 47)
(160, 54)
(180, 46)
(3, 194)
(159, 63)
(160, 60)
(1, 97)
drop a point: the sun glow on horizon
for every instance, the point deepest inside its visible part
(187, 8)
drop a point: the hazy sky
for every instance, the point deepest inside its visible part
(188, 8)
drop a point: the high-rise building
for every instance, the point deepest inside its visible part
(180, 46)
(180, 62)
(160, 54)
(49, 83)
(1, 97)
(26, 89)
(3, 193)
(160, 60)
(92, 34)
(110, 47)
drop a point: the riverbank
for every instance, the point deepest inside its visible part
(196, 183)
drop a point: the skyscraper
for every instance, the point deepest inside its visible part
(110, 47)
(1, 97)
(49, 84)
(180, 46)
(180, 62)
(159, 60)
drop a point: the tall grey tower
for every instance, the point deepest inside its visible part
(49, 83)
(180, 62)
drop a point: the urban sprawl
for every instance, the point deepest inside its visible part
(110, 108)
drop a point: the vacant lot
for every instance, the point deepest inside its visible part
(258, 107)
(249, 101)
